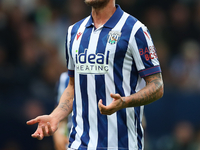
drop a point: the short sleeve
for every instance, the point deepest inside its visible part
(144, 51)
(69, 59)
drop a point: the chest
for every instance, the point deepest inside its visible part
(93, 51)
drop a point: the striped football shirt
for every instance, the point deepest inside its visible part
(113, 58)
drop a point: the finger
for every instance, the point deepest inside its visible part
(44, 131)
(40, 137)
(38, 133)
(34, 135)
(50, 131)
(37, 136)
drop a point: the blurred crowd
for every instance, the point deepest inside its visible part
(32, 57)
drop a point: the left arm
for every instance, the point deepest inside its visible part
(150, 93)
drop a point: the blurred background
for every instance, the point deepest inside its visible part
(32, 57)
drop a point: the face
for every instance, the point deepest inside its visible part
(97, 3)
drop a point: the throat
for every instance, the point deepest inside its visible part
(101, 16)
(97, 26)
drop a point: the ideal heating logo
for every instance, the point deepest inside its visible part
(92, 63)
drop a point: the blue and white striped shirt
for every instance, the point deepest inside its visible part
(113, 58)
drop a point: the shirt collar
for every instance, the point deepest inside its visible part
(112, 21)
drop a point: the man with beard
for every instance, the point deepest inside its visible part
(114, 71)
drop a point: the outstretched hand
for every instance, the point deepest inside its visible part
(117, 104)
(46, 126)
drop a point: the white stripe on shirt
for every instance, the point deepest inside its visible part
(79, 119)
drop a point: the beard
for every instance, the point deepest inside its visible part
(97, 3)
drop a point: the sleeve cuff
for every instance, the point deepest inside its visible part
(71, 73)
(149, 71)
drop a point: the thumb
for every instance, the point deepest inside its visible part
(100, 102)
(115, 96)
(32, 121)
(100, 105)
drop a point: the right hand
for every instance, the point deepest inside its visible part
(47, 125)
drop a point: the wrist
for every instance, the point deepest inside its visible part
(125, 101)
(55, 116)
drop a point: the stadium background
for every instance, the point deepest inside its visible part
(32, 37)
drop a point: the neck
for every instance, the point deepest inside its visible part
(102, 15)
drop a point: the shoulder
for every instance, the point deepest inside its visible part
(73, 28)
(132, 19)
(133, 23)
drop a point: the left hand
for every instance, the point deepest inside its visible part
(117, 104)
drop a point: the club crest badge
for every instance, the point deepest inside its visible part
(114, 37)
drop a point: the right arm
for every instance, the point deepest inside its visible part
(64, 107)
(48, 124)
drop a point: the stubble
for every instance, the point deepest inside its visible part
(97, 3)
